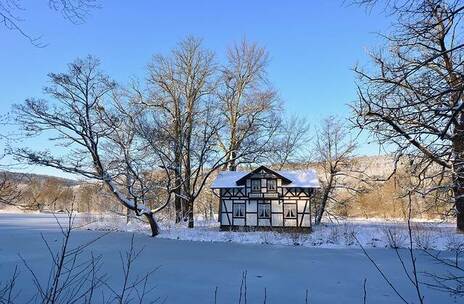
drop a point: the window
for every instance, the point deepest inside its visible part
(264, 210)
(255, 185)
(271, 184)
(290, 211)
(239, 210)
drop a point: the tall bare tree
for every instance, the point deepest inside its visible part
(181, 102)
(83, 122)
(290, 142)
(412, 98)
(334, 150)
(165, 109)
(249, 105)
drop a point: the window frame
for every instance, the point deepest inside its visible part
(259, 185)
(285, 209)
(274, 181)
(243, 207)
(268, 206)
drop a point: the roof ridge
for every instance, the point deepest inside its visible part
(305, 178)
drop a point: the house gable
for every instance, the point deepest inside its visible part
(262, 172)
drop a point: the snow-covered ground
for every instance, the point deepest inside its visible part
(190, 271)
(373, 233)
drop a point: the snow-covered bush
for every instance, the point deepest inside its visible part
(295, 238)
(334, 234)
(423, 236)
(394, 236)
(349, 234)
(340, 235)
(454, 243)
(266, 237)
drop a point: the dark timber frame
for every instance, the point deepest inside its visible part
(277, 200)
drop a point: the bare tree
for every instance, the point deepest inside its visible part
(413, 98)
(334, 150)
(10, 193)
(249, 105)
(178, 87)
(181, 103)
(82, 121)
(75, 11)
(290, 142)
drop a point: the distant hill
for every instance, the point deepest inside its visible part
(20, 177)
(378, 166)
(375, 166)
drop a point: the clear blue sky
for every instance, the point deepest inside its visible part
(312, 45)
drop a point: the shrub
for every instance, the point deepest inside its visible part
(454, 244)
(423, 236)
(295, 238)
(394, 236)
(334, 234)
(349, 234)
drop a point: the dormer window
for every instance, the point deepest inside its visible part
(271, 184)
(255, 185)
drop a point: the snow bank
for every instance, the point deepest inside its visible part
(345, 234)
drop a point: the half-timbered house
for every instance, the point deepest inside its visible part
(265, 199)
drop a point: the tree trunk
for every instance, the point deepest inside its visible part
(211, 211)
(128, 186)
(127, 215)
(178, 201)
(190, 213)
(153, 225)
(179, 204)
(458, 178)
(188, 187)
(149, 215)
(232, 163)
(460, 211)
(325, 198)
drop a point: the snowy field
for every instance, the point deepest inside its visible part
(190, 271)
(373, 233)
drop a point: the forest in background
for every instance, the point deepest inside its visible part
(382, 199)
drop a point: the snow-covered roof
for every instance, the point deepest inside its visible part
(228, 179)
(299, 178)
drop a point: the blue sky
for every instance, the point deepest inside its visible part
(312, 44)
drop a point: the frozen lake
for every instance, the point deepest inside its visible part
(190, 271)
